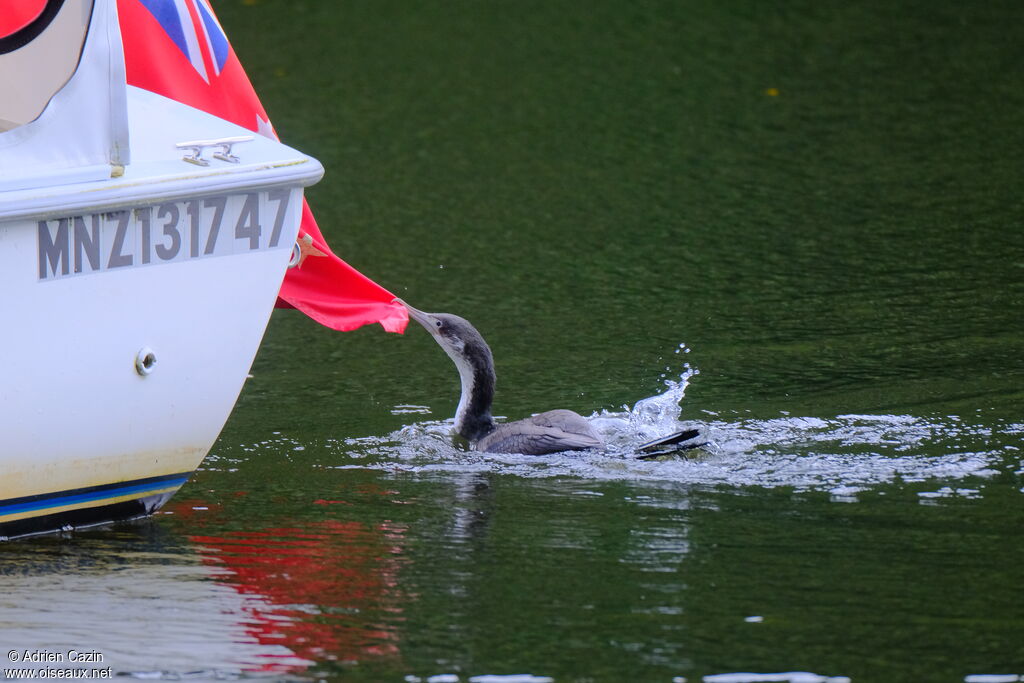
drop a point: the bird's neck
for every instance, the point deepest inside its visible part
(473, 419)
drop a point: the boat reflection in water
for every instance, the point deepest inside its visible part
(158, 603)
(323, 592)
(140, 596)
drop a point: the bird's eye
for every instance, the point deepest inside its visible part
(439, 324)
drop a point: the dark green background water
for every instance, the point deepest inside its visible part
(821, 200)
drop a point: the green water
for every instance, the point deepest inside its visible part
(816, 205)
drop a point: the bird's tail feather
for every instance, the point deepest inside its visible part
(680, 441)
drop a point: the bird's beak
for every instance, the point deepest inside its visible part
(419, 316)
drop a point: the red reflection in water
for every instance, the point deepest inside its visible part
(326, 591)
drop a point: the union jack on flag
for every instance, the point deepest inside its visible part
(178, 49)
(194, 28)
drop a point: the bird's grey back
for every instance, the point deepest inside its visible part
(549, 432)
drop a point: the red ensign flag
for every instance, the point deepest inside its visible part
(177, 48)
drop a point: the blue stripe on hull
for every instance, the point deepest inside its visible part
(83, 517)
(45, 501)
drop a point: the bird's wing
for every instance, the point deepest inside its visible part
(529, 438)
(563, 419)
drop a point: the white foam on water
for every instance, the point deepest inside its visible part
(787, 677)
(844, 455)
(510, 678)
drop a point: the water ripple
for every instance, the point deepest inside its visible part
(843, 455)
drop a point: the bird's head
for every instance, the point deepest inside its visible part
(455, 335)
(473, 358)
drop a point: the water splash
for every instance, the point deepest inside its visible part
(648, 419)
(843, 455)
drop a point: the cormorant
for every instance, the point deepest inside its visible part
(548, 432)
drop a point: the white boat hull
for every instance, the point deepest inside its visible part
(133, 309)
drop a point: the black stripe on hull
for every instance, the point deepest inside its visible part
(83, 517)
